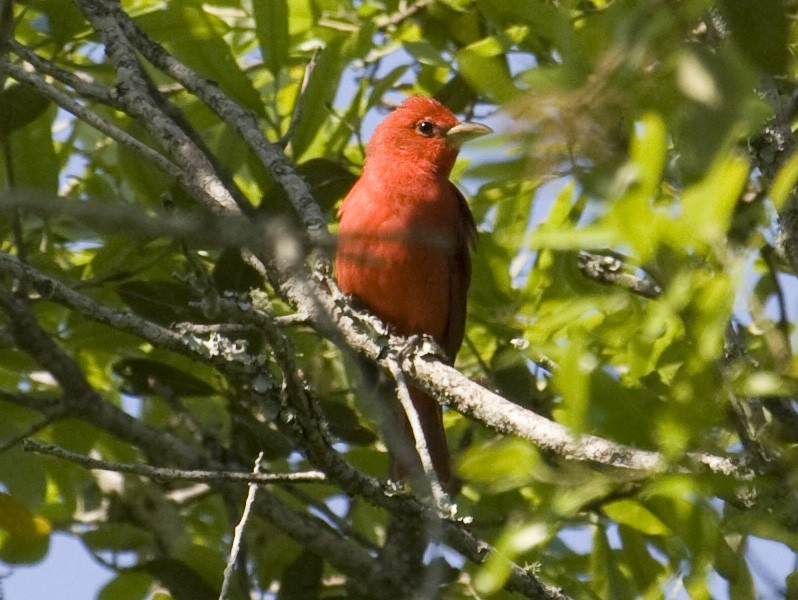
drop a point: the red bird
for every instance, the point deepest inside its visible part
(405, 238)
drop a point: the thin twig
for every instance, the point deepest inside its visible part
(396, 18)
(436, 489)
(784, 321)
(32, 430)
(166, 473)
(239, 532)
(87, 88)
(296, 117)
(340, 523)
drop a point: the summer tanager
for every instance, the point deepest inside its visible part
(405, 239)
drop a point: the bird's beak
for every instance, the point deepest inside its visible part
(463, 132)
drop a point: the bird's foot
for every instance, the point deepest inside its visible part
(420, 345)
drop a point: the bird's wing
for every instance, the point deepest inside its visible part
(459, 276)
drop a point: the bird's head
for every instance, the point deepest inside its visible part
(422, 133)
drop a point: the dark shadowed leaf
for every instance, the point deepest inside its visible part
(117, 537)
(182, 582)
(302, 578)
(231, 273)
(164, 302)
(345, 424)
(761, 30)
(20, 105)
(144, 376)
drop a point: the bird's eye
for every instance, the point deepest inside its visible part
(425, 128)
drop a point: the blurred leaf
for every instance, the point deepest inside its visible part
(784, 183)
(19, 522)
(709, 204)
(328, 181)
(515, 540)
(515, 381)
(23, 550)
(636, 516)
(117, 537)
(720, 88)
(24, 476)
(501, 465)
(761, 30)
(127, 585)
(646, 570)
(608, 580)
(33, 155)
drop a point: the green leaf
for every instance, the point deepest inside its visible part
(607, 578)
(487, 72)
(196, 38)
(16, 550)
(647, 572)
(33, 156)
(709, 204)
(320, 93)
(271, 27)
(24, 476)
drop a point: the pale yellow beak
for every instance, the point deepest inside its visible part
(464, 132)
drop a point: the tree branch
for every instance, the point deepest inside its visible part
(171, 474)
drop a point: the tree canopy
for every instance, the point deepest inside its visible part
(175, 358)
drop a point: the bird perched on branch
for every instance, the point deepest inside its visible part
(404, 246)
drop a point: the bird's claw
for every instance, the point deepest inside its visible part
(419, 345)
